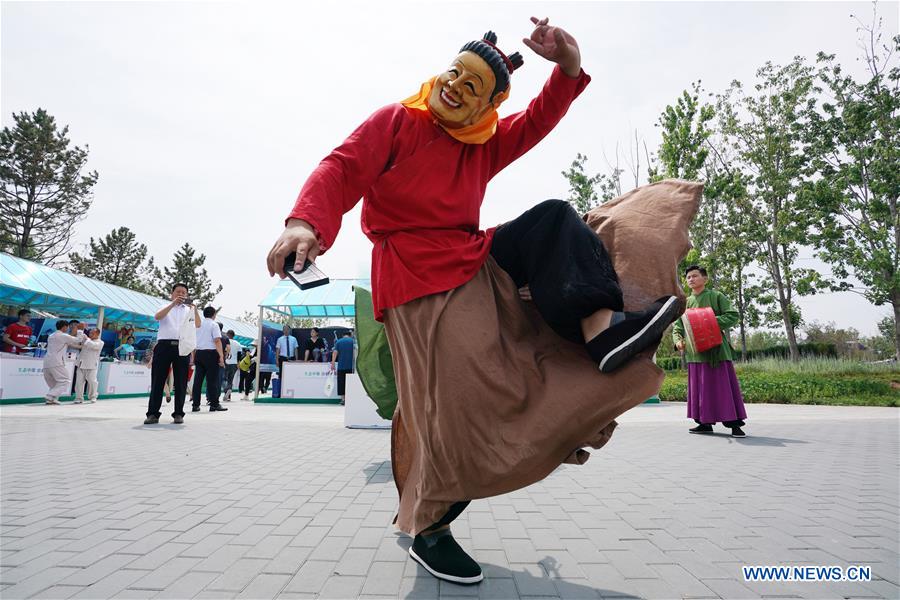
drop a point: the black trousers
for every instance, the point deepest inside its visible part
(245, 385)
(265, 378)
(551, 249)
(228, 379)
(165, 356)
(281, 360)
(206, 366)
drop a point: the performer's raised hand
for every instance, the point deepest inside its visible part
(556, 45)
(298, 236)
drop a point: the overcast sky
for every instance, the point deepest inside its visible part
(204, 119)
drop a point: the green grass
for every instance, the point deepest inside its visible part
(829, 366)
(813, 381)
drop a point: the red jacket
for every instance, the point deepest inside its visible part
(422, 191)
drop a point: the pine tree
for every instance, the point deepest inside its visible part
(187, 268)
(42, 186)
(118, 259)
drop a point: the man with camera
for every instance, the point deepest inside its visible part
(172, 318)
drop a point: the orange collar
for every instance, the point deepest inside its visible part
(477, 133)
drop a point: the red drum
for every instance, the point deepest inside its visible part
(701, 328)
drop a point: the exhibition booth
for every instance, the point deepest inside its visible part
(61, 295)
(313, 382)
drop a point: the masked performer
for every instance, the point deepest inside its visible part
(472, 423)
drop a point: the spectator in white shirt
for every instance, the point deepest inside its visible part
(166, 355)
(88, 362)
(231, 363)
(287, 348)
(208, 359)
(55, 372)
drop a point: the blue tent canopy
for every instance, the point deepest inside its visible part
(334, 300)
(27, 283)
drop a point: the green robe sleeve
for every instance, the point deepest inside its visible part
(678, 331)
(726, 315)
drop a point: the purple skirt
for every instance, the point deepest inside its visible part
(714, 394)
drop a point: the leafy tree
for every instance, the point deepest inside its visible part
(117, 258)
(830, 333)
(883, 344)
(762, 339)
(43, 187)
(730, 257)
(273, 316)
(766, 129)
(855, 142)
(187, 268)
(586, 192)
(685, 131)
(718, 230)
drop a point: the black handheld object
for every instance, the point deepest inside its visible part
(309, 277)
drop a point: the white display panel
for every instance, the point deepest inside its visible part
(359, 409)
(306, 381)
(123, 378)
(22, 377)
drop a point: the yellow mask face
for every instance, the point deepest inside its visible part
(461, 94)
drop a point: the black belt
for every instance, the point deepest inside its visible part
(170, 342)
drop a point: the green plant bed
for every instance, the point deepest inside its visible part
(867, 389)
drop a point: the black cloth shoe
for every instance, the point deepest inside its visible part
(444, 558)
(701, 429)
(178, 419)
(737, 432)
(195, 409)
(614, 346)
(151, 420)
(217, 408)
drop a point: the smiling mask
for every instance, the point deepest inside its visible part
(463, 99)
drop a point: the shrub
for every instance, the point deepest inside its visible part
(875, 389)
(807, 349)
(669, 364)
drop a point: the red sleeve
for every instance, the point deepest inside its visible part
(518, 133)
(347, 173)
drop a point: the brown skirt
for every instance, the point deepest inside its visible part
(490, 399)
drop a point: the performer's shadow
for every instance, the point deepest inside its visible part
(755, 440)
(378, 472)
(159, 427)
(501, 582)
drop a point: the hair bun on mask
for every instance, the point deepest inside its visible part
(501, 64)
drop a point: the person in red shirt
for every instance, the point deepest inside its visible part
(476, 420)
(17, 335)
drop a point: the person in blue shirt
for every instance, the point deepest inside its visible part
(286, 346)
(343, 355)
(126, 350)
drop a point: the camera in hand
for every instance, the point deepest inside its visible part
(187, 301)
(308, 278)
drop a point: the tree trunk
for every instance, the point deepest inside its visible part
(785, 304)
(789, 329)
(895, 301)
(743, 341)
(742, 310)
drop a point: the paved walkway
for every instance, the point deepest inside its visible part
(282, 501)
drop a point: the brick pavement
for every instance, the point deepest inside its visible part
(274, 501)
